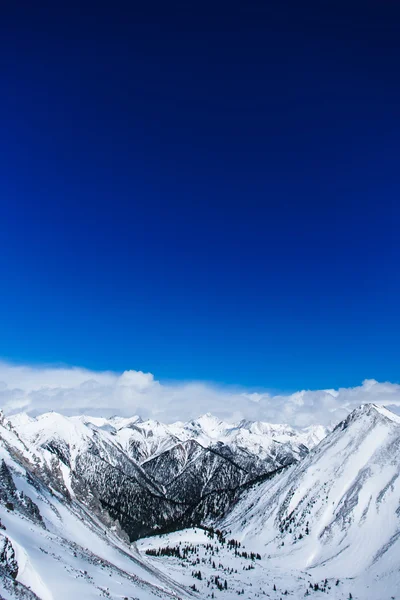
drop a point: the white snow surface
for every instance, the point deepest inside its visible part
(337, 512)
(332, 517)
(151, 437)
(69, 554)
(248, 577)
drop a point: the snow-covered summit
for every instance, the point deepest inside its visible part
(337, 511)
(146, 439)
(373, 411)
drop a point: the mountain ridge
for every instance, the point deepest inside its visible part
(331, 510)
(139, 473)
(337, 512)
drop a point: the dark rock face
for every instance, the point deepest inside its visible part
(124, 492)
(188, 472)
(7, 557)
(14, 499)
(61, 449)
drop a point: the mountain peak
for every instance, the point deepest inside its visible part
(388, 414)
(208, 417)
(372, 411)
(208, 422)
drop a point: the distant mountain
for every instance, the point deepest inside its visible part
(149, 476)
(145, 439)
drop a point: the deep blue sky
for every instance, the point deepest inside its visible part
(202, 191)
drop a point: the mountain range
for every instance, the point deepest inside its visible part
(87, 503)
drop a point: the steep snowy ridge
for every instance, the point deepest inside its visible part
(338, 510)
(90, 463)
(52, 548)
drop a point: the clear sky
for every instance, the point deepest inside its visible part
(203, 191)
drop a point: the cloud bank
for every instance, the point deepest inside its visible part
(74, 390)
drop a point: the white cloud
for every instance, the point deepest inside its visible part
(74, 390)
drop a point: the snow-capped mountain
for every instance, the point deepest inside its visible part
(256, 437)
(52, 547)
(89, 464)
(75, 492)
(337, 512)
(150, 476)
(143, 440)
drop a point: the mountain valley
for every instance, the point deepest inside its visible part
(125, 508)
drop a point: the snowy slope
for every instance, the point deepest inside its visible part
(218, 568)
(51, 548)
(337, 512)
(164, 475)
(90, 464)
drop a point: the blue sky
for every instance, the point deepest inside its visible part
(206, 194)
